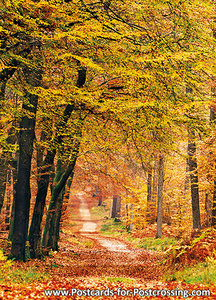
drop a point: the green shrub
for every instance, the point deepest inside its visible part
(200, 273)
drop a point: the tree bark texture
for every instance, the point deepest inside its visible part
(192, 164)
(116, 207)
(213, 123)
(43, 183)
(154, 191)
(149, 194)
(57, 190)
(3, 179)
(23, 192)
(160, 196)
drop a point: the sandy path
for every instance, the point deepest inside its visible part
(90, 227)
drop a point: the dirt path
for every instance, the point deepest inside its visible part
(89, 261)
(89, 226)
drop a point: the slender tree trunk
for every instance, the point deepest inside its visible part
(192, 163)
(54, 234)
(214, 206)
(160, 196)
(213, 123)
(9, 200)
(47, 236)
(58, 215)
(3, 179)
(149, 195)
(57, 189)
(43, 183)
(116, 207)
(130, 216)
(208, 207)
(154, 191)
(23, 193)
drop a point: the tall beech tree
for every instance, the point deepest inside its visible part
(43, 183)
(33, 78)
(192, 163)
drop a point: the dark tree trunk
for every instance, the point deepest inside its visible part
(98, 195)
(192, 164)
(160, 196)
(43, 183)
(116, 207)
(23, 193)
(213, 123)
(5, 75)
(57, 189)
(54, 234)
(9, 200)
(10, 235)
(3, 179)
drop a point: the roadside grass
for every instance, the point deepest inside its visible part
(204, 273)
(20, 276)
(112, 227)
(151, 243)
(9, 272)
(81, 242)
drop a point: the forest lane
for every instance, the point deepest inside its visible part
(90, 227)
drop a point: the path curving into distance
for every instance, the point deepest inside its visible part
(89, 227)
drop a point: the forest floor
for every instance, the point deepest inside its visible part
(89, 261)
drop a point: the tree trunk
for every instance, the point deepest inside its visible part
(3, 179)
(130, 217)
(192, 163)
(208, 206)
(154, 191)
(213, 123)
(23, 192)
(160, 196)
(43, 183)
(9, 200)
(116, 207)
(54, 233)
(214, 206)
(10, 235)
(57, 189)
(5, 75)
(149, 194)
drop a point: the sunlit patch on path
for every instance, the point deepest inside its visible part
(86, 216)
(113, 245)
(88, 226)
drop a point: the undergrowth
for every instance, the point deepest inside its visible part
(113, 228)
(194, 260)
(8, 272)
(151, 243)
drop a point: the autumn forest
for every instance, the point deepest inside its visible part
(107, 148)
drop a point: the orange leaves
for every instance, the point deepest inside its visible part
(187, 253)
